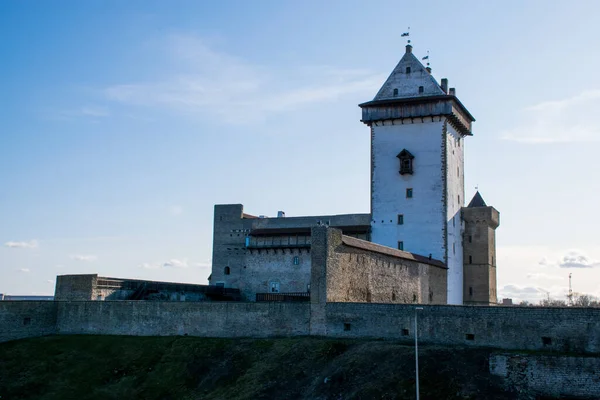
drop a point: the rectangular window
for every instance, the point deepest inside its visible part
(409, 193)
(296, 260)
(546, 341)
(459, 199)
(470, 336)
(470, 239)
(400, 245)
(404, 332)
(27, 321)
(400, 219)
(347, 326)
(470, 259)
(470, 291)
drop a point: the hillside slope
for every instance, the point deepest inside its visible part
(170, 368)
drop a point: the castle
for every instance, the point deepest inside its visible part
(418, 128)
(316, 275)
(419, 244)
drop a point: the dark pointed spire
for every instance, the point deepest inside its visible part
(477, 201)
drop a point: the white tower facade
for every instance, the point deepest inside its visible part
(417, 167)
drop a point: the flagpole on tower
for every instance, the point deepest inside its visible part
(406, 34)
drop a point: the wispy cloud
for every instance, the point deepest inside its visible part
(572, 259)
(210, 82)
(150, 265)
(531, 293)
(576, 259)
(22, 245)
(175, 263)
(84, 112)
(86, 258)
(25, 270)
(175, 210)
(567, 120)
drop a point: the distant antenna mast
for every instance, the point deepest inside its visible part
(406, 34)
(570, 295)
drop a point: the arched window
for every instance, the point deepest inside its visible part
(227, 271)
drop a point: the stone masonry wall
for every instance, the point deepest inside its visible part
(363, 272)
(530, 375)
(567, 330)
(571, 330)
(75, 287)
(266, 266)
(22, 319)
(218, 319)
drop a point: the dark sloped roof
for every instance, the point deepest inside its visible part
(369, 246)
(477, 201)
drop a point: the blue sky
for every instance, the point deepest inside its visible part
(123, 123)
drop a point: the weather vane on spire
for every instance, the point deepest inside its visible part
(426, 58)
(406, 34)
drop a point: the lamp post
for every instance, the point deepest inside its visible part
(417, 352)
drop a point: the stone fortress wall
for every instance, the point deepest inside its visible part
(352, 307)
(94, 287)
(242, 241)
(565, 330)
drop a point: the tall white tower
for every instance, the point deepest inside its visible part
(417, 166)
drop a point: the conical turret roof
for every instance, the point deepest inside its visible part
(477, 201)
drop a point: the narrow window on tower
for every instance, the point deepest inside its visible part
(409, 193)
(470, 291)
(406, 162)
(470, 238)
(408, 70)
(400, 245)
(470, 259)
(459, 199)
(421, 89)
(400, 219)
(296, 260)
(395, 92)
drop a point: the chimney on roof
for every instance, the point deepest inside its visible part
(445, 85)
(408, 48)
(452, 91)
(280, 214)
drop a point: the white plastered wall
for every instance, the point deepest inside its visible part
(455, 200)
(424, 214)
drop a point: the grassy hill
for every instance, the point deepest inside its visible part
(169, 368)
